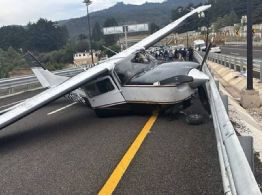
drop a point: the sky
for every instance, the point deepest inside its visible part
(21, 12)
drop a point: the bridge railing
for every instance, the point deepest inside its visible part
(236, 63)
(236, 173)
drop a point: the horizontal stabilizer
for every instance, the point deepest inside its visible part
(48, 79)
(45, 77)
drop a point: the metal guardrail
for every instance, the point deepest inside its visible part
(236, 63)
(24, 83)
(257, 44)
(236, 173)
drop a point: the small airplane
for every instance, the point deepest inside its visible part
(129, 79)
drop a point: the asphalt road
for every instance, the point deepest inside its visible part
(71, 151)
(241, 51)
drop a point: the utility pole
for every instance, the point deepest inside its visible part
(125, 31)
(88, 2)
(249, 46)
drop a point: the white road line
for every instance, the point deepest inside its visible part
(12, 104)
(60, 109)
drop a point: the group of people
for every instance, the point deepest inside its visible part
(181, 54)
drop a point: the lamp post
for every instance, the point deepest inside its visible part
(88, 2)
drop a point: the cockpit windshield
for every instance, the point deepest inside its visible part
(135, 65)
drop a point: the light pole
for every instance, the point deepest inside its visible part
(88, 2)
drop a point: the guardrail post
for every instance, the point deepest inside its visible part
(235, 64)
(230, 62)
(245, 67)
(241, 65)
(247, 143)
(261, 72)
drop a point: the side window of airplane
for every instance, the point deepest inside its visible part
(99, 87)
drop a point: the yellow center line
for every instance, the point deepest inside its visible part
(122, 166)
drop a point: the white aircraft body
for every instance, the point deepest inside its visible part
(128, 79)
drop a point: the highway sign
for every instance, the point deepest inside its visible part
(126, 28)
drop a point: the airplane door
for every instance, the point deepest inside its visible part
(103, 92)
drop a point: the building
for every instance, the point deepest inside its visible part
(83, 58)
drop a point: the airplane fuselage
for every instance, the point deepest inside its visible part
(164, 84)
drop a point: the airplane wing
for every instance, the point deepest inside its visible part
(40, 100)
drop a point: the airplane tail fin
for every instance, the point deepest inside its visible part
(45, 77)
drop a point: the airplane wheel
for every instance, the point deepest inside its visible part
(194, 119)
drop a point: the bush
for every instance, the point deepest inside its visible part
(9, 60)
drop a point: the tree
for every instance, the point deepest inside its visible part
(82, 37)
(233, 18)
(46, 36)
(110, 39)
(257, 13)
(192, 23)
(82, 46)
(10, 59)
(226, 20)
(96, 32)
(13, 36)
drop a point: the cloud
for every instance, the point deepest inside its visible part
(22, 12)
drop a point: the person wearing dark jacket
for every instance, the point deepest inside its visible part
(190, 54)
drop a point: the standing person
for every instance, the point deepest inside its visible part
(190, 54)
(156, 54)
(176, 54)
(183, 53)
(170, 55)
(166, 55)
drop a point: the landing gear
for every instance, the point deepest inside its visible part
(177, 111)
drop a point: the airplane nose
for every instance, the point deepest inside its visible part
(199, 78)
